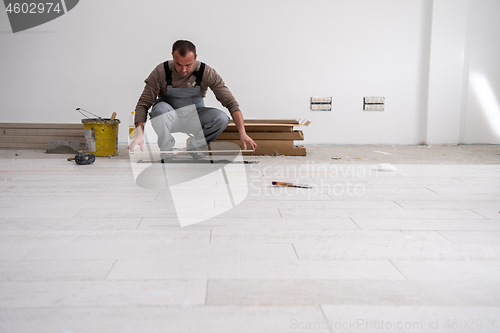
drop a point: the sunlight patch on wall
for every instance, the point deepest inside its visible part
(488, 100)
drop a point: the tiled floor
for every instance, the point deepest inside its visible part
(417, 249)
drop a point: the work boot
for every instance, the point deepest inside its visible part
(167, 157)
(199, 156)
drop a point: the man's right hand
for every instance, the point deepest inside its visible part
(138, 138)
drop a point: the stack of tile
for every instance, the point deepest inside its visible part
(36, 136)
(273, 136)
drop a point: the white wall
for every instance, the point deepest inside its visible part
(482, 117)
(446, 72)
(273, 55)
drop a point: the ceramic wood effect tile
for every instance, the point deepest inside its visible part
(186, 318)
(214, 268)
(155, 249)
(484, 270)
(421, 241)
(101, 293)
(16, 251)
(489, 238)
(54, 270)
(476, 206)
(252, 223)
(104, 236)
(426, 224)
(69, 223)
(379, 213)
(490, 213)
(311, 292)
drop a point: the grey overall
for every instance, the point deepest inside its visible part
(183, 110)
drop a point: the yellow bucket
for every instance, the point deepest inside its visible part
(101, 136)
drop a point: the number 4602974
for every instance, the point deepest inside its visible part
(33, 8)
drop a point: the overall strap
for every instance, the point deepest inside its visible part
(168, 73)
(199, 74)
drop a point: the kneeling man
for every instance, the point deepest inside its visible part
(176, 90)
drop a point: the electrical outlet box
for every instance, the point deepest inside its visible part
(373, 103)
(321, 103)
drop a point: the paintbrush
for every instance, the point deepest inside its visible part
(290, 184)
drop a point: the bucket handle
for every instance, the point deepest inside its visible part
(80, 110)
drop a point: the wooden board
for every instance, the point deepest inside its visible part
(296, 151)
(42, 125)
(262, 128)
(269, 121)
(41, 132)
(39, 139)
(264, 143)
(295, 135)
(31, 145)
(37, 135)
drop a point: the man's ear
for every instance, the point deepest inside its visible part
(195, 56)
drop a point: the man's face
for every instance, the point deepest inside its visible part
(184, 65)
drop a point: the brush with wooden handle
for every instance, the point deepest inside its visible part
(290, 184)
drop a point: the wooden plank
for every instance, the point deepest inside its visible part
(296, 151)
(41, 132)
(42, 125)
(264, 143)
(35, 136)
(31, 145)
(38, 139)
(269, 121)
(262, 128)
(295, 135)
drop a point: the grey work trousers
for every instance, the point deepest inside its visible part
(204, 123)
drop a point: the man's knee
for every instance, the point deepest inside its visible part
(159, 109)
(219, 121)
(224, 120)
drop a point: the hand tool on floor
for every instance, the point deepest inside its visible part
(290, 184)
(83, 158)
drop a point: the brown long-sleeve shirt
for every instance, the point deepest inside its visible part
(156, 85)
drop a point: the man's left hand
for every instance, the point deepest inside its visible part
(246, 140)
